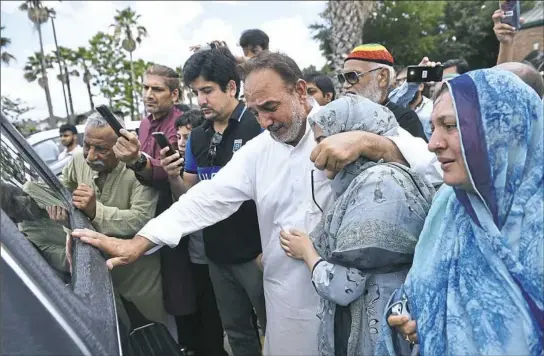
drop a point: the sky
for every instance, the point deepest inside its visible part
(172, 28)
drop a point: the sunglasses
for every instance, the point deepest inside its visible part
(353, 76)
(212, 151)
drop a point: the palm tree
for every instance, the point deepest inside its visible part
(66, 59)
(4, 42)
(33, 68)
(82, 60)
(347, 20)
(126, 27)
(38, 15)
(62, 67)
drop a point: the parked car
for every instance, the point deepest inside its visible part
(47, 311)
(48, 147)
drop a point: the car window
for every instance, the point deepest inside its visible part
(49, 150)
(39, 210)
(34, 235)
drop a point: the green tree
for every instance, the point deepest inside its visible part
(38, 15)
(467, 32)
(132, 33)
(407, 29)
(107, 67)
(33, 70)
(82, 60)
(4, 42)
(13, 110)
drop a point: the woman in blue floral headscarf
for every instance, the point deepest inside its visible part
(476, 284)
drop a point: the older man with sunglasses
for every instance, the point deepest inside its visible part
(368, 72)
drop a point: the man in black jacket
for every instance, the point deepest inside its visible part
(368, 71)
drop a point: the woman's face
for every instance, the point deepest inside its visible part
(445, 142)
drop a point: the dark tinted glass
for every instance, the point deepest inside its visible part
(38, 210)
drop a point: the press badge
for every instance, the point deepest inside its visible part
(237, 144)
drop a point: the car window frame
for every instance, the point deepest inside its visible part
(91, 280)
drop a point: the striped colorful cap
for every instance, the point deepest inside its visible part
(372, 52)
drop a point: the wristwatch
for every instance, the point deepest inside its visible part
(140, 164)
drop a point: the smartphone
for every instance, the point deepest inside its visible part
(423, 74)
(110, 118)
(399, 304)
(511, 12)
(163, 142)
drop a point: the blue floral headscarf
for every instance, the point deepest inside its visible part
(476, 285)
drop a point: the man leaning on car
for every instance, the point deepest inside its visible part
(118, 204)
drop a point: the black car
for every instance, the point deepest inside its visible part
(45, 309)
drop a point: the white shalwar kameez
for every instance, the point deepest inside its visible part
(277, 177)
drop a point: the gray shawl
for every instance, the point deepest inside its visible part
(375, 222)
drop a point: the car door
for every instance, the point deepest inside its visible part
(46, 310)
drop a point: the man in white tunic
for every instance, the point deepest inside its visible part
(274, 169)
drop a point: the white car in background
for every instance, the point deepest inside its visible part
(47, 145)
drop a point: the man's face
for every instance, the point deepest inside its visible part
(278, 108)
(158, 98)
(98, 148)
(183, 136)
(213, 102)
(67, 138)
(371, 85)
(321, 98)
(401, 78)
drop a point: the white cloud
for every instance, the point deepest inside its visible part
(167, 42)
(231, 3)
(172, 28)
(9, 7)
(291, 36)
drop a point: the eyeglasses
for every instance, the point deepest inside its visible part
(353, 76)
(313, 193)
(212, 151)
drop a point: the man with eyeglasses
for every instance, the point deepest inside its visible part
(233, 246)
(368, 72)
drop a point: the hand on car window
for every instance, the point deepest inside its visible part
(58, 214)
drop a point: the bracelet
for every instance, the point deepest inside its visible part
(315, 264)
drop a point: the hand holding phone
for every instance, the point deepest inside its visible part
(511, 12)
(424, 74)
(162, 141)
(106, 113)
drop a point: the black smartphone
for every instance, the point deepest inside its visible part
(163, 142)
(110, 118)
(423, 74)
(511, 12)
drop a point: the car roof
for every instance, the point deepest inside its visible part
(48, 134)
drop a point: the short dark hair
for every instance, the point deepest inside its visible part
(215, 65)
(253, 38)
(171, 77)
(183, 107)
(68, 127)
(191, 117)
(460, 64)
(321, 81)
(280, 63)
(535, 58)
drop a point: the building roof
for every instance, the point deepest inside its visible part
(534, 17)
